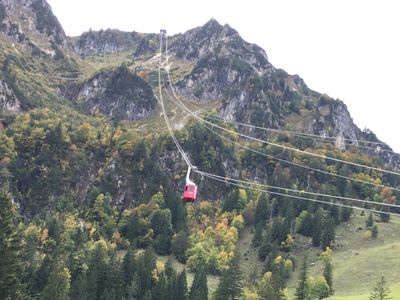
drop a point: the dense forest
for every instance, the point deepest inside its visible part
(61, 243)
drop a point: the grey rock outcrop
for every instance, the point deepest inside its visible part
(118, 94)
(33, 24)
(111, 41)
(8, 100)
(223, 61)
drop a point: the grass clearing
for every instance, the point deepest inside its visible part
(359, 260)
(250, 266)
(394, 294)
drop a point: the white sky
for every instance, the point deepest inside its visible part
(348, 49)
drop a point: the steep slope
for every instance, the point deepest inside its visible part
(32, 23)
(117, 94)
(8, 99)
(228, 69)
(210, 64)
(114, 41)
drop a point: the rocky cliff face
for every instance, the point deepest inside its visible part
(114, 41)
(223, 61)
(228, 69)
(8, 100)
(32, 23)
(118, 94)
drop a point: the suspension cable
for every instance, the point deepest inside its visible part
(279, 145)
(171, 132)
(202, 121)
(299, 197)
(244, 182)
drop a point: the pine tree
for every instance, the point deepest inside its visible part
(302, 288)
(231, 200)
(317, 231)
(160, 290)
(257, 238)
(79, 288)
(261, 213)
(380, 291)
(58, 284)
(115, 278)
(147, 295)
(370, 221)
(172, 284)
(374, 231)
(162, 227)
(199, 289)
(328, 275)
(10, 247)
(182, 292)
(328, 233)
(96, 276)
(230, 284)
(134, 288)
(145, 265)
(128, 266)
(109, 294)
(179, 245)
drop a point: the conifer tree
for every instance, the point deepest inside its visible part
(147, 295)
(58, 284)
(317, 231)
(128, 266)
(374, 231)
(257, 238)
(370, 221)
(380, 291)
(79, 288)
(10, 247)
(328, 233)
(262, 209)
(172, 285)
(230, 284)
(302, 287)
(328, 275)
(182, 291)
(145, 264)
(96, 277)
(160, 290)
(162, 227)
(179, 245)
(134, 288)
(115, 278)
(199, 289)
(326, 258)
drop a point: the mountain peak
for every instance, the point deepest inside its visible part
(196, 42)
(212, 23)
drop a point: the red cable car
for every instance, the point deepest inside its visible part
(190, 192)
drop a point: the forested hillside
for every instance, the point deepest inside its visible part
(91, 179)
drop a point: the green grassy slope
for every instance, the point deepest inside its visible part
(394, 289)
(358, 260)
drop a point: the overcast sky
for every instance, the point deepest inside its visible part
(348, 49)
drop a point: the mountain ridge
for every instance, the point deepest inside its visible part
(229, 71)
